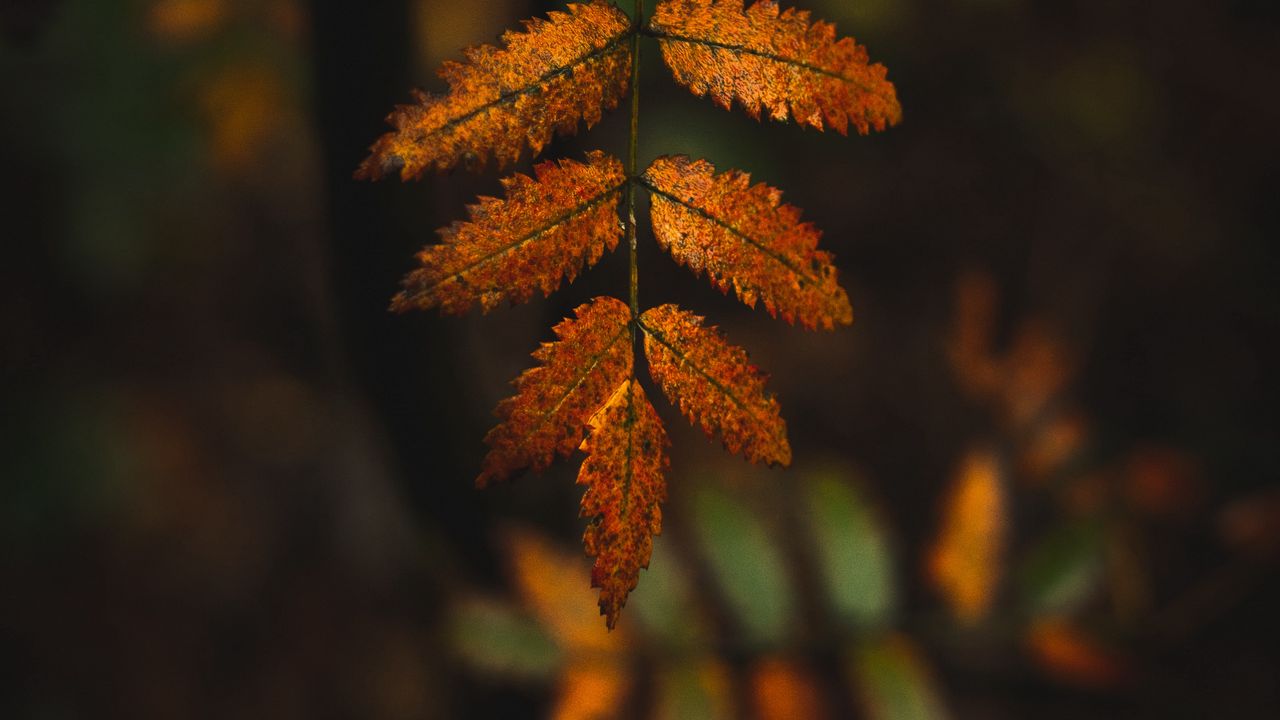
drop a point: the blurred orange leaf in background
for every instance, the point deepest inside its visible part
(784, 690)
(1068, 654)
(964, 564)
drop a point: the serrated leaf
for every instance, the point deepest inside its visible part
(853, 552)
(714, 384)
(775, 62)
(624, 474)
(554, 402)
(546, 229)
(567, 68)
(743, 237)
(893, 682)
(747, 565)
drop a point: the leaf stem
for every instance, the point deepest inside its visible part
(632, 164)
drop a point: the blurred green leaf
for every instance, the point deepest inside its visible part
(663, 600)
(747, 565)
(695, 690)
(893, 682)
(1063, 569)
(499, 639)
(852, 550)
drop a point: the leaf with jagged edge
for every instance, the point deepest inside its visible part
(714, 384)
(546, 229)
(624, 474)
(562, 70)
(776, 62)
(554, 401)
(743, 237)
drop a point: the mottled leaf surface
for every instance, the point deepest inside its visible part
(714, 384)
(625, 477)
(546, 229)
(554, 401)
(745, 238)
(562, 70)
(778, 63)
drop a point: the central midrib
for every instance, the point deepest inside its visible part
(536, 83)
(767, 251)
(524, 239)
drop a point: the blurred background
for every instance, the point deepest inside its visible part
(1037, 477)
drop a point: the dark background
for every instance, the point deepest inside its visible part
(235, 485)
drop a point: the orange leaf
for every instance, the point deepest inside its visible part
(591, 691)
(546, 229)
(785, 690)
(623, 472)
(552, 585)
(964, 564)
(776, 62)
(743, 237)
(715, 384)
(553, 403)
(567, 68)
(1069, 654)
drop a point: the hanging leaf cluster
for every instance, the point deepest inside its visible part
(584, 394)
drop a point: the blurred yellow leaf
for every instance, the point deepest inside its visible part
(591, 690)
(964, 564)
(245, 108)
(555, 586)
(181, 22)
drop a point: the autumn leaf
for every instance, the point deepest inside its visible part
(964, 563)
(624, 475)
(714, 384)
(593, 678)
(568, 68)
(546, 229)
(778, 63)
(744, 238)
(784, 689)
(1071, 655)
(554, 402)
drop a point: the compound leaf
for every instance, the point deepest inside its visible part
(776, 62)
(545, 230)
(554, 402)
(714, 384)
(744, 237)
(624, 474)
(569, 67)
